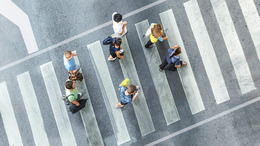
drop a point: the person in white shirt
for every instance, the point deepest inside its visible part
(118, 25)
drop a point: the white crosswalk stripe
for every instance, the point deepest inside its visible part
(108, 92)
(88, 115)
(32, 109)
(186, 74)
(159, 78)
(253, 22)
(8, 116)
(207, 52)
(233, 46)
(144, 118)
(140, 106)
(58, 106)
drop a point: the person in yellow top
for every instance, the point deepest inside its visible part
(156, 33)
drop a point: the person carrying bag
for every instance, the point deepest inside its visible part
(173, 60)
(115, 49)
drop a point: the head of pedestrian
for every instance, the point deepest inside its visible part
(70, 85)
(131, 89)
(118, 42)
(68, 55)
(118, 17)
(157, 31)
(177, 52)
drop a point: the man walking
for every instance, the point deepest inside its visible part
(74, 98)
(118, 25)
(69, 62)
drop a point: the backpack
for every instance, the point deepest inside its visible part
(125, 83)
(107, 40)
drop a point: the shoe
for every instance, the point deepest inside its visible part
(111, 59)
(184, 63)
(80, 95)
(119, 106)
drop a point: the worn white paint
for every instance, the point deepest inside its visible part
(207, 53)
(233, 45)
(58, 107)
(186, 74)
(9, 10)
(140, 105)
(87, 113)
(159, 78)
(253, 22)
(108, 92)
(32, 109)
(8, 116)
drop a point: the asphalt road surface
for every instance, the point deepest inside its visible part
(214, 100)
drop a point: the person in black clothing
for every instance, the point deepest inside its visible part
(114, 47)
(173, 60)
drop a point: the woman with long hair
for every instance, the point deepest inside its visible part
(156, 33)
(173, 59)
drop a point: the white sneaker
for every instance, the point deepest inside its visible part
(113, 59)
(80, 94)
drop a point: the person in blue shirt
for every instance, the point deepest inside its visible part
(127, 95)
(173, 59)
(69, 62)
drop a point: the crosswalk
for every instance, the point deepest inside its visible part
(142, 111)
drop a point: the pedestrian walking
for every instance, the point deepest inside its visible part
(173, 60)
(127, 94)
(115, 49)
(73, 97)
(118, 25)
(155, 33)
(69, 62)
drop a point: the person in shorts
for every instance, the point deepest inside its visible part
(118, 25)
(114, 47)
(127, 95)
(69, 62)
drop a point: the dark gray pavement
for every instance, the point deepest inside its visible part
(55, 21)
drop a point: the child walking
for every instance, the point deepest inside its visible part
(127, 94)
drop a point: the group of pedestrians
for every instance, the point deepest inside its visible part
(128, 93)
(155, 33)
(73, 97)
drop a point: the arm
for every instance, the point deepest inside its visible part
(75, 102)
(73, 54)
(123, 30)
(165, 38)
(135, 96)
(175, 46)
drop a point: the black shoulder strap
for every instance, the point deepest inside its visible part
(69, 95)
